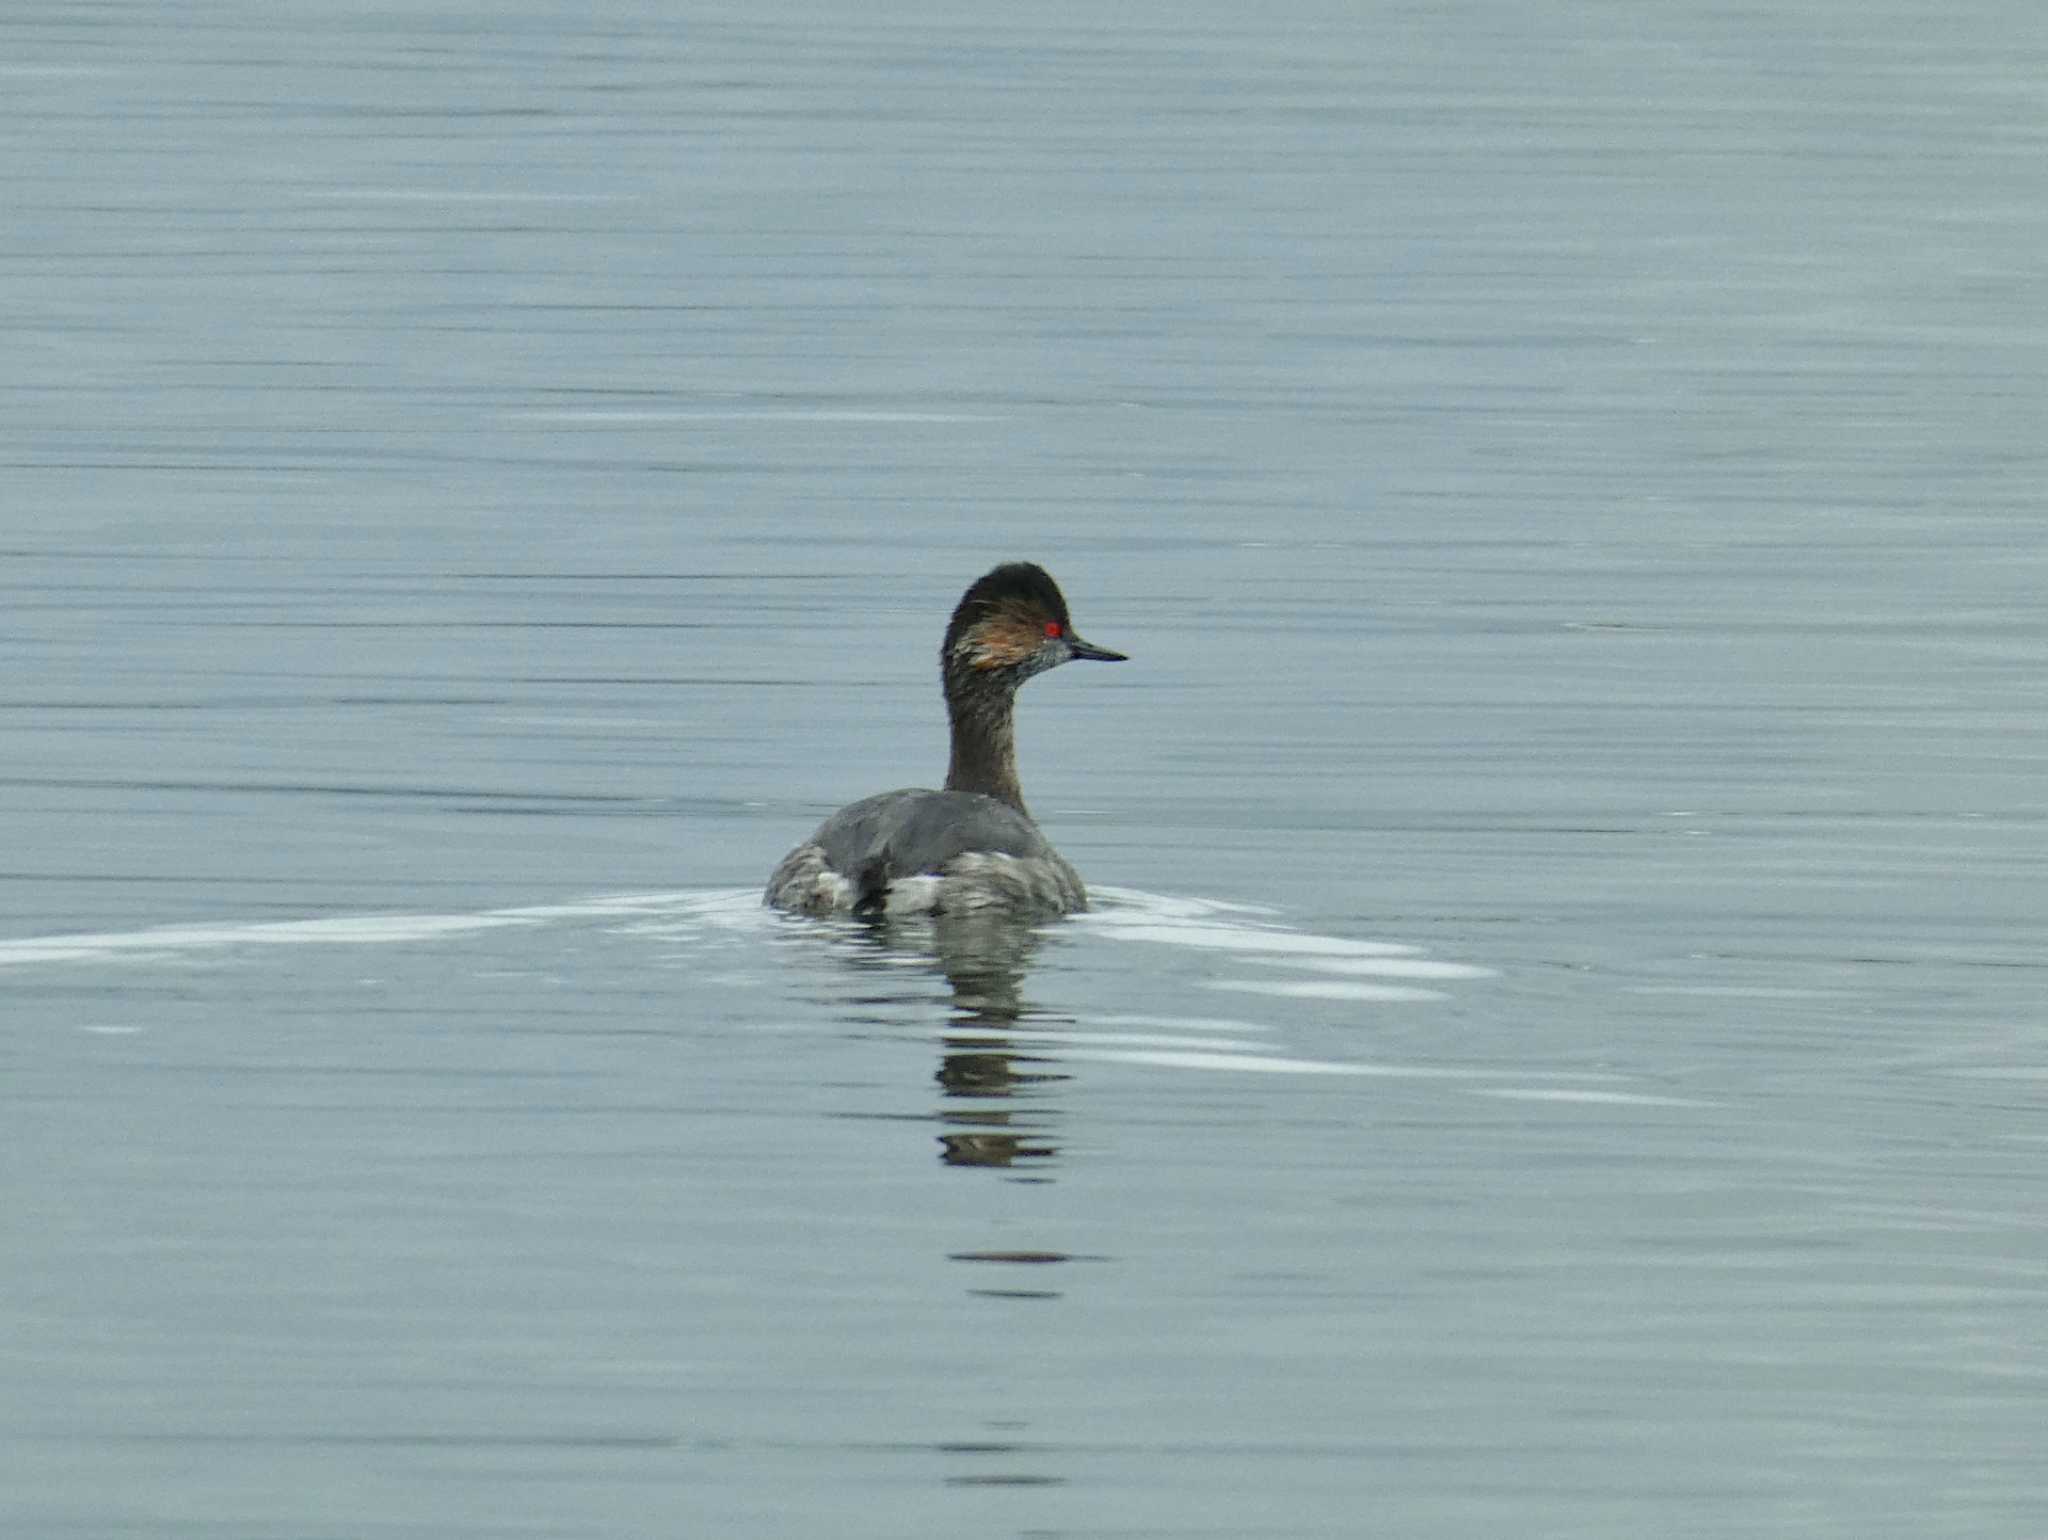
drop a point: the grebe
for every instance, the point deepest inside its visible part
(974, 845)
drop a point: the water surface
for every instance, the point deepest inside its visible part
(1559, 1047)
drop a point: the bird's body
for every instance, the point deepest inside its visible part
(973, 846)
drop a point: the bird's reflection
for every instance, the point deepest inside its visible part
(997, 1108)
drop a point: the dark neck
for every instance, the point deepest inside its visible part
(984, 745)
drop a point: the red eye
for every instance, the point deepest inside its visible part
(1052, 628)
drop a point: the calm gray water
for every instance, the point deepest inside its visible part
(1560, 1050)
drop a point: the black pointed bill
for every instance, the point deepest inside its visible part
(1080, 649)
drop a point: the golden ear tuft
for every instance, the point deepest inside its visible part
(1001, 643)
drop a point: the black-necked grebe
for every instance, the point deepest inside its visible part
(972, 846)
